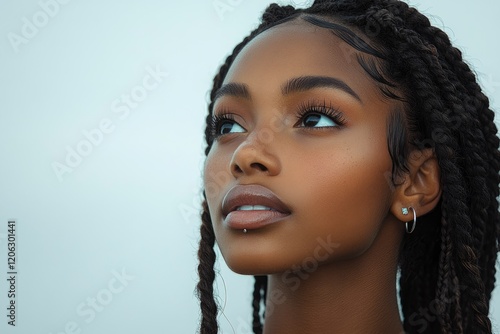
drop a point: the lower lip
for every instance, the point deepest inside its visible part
(253, 219)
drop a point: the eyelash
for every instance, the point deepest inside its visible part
(218, 120)
(305, 109)
(310, 107)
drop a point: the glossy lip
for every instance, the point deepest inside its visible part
(252, 219)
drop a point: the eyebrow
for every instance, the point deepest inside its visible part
(304, 83)
(298, 84)
(233, 89)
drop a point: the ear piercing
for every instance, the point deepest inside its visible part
(404, 211)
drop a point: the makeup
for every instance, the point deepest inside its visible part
(249, 207)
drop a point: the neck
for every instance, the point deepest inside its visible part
(347, 296)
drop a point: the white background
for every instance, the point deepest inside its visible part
(132, 203)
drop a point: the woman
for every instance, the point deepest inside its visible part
(345, 142)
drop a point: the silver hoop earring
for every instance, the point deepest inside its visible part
(414, 223)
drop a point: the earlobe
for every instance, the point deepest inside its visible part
(421, 187)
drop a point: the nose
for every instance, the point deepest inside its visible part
(253, 156)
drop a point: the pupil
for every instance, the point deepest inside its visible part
(311, 120)
(225, 128)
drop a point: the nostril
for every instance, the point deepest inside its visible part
(237, 169)
(259, 166)
(253, 166)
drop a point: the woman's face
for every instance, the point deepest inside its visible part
(301, 158)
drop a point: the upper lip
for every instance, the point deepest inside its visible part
(252, 194)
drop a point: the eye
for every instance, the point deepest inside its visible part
(317, 120)
(225, 124)
(313, 115)
(229, 127)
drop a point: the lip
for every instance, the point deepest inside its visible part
(252, 194)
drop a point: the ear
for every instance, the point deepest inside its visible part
(421, 187)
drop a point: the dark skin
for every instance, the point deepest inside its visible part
(323, 151)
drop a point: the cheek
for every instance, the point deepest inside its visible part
(337, 190)
(346, 194)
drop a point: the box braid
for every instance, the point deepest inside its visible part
(448, 263)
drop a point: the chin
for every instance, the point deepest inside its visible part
(246, 262)
(253, 265)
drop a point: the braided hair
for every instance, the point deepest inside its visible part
(448, 263)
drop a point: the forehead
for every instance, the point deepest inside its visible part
(293, 49)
